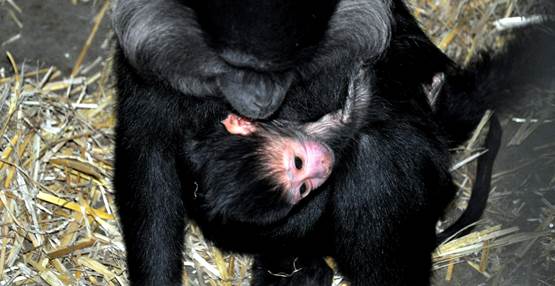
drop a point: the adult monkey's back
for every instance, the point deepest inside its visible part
(180, 63)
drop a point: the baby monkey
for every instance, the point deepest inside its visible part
(298, 157)
(260, 172)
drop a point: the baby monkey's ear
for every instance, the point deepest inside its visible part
(237, 125)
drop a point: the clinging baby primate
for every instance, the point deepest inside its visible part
(285, 160)
(297, 157)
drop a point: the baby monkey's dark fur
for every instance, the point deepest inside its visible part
(296, 157)
(260, 154)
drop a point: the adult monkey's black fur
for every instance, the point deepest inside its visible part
(376, 215)
(245, 52)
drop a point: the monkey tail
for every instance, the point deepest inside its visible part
(494, 82)
(480, 190)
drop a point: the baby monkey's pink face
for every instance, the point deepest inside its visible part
(297, 165)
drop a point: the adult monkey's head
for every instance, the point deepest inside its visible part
(249, 51)
(265, 36)
(272, 43)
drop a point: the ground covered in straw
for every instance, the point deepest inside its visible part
(57, 222)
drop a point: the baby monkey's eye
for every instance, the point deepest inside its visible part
(303, 189)
(298, 163)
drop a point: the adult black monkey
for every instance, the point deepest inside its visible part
(376, 214)
(177, 59)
